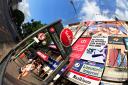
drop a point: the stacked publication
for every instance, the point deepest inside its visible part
(100, 54)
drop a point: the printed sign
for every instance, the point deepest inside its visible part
(115, 40)
(41, 36)
(79, 47)
(42, 55)
(66, 37)
(97, 49)
(22, 55)
(89, 67)
(116, 56)
(83, 79)
(53, 64)
(52, 46)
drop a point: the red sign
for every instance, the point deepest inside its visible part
(41, 36)
(52, 46)
(42, 55)
(66, 37)
(79, 47)
(22, 55)
(77, 50)
(52, 30)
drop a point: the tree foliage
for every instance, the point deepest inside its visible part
(18, 17)
(30, 27)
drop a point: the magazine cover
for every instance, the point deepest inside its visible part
(116, 64)
(82, 79)
(88, 67)
(79, 47)
(116, 56)
(86, 72)
(96, 50)
(106, 29)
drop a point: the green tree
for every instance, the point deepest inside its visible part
(18, 17)
(30, 27)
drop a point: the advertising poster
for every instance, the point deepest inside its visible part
(89, 68)
(116, 56)
(105, 29)
(116, 64)
(84, 71)
(79, 47)
(96, 50)
(82, 79)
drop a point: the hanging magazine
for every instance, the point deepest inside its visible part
(116, 56)
(97, 49)
(106, 30)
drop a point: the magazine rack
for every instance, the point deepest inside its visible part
(54, 30)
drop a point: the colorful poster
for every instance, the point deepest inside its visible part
(79, 47)
(116, 56)
(89, 68)
(105, 29)
(96, 50)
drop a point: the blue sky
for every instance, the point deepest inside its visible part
(50, 10)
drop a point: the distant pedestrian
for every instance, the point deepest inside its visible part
(24, 71)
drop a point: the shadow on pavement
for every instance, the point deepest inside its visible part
(10, 80)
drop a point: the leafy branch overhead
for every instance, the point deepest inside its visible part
(32, 26)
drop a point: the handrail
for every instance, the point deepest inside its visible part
(7, 58)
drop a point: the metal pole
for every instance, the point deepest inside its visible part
(71, 1)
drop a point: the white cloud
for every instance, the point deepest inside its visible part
(91, 11)
(24, 7)
(106, 11)
(122, 9)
